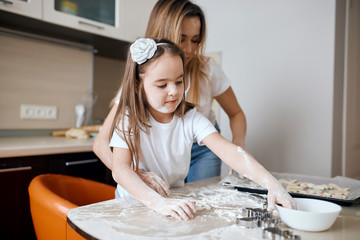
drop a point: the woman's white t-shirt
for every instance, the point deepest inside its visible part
(218, 83)
(167, 147)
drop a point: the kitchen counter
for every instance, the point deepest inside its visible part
(218, 207)
(23, 158)
(43, 145)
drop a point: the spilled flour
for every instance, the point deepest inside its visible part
(217, 206)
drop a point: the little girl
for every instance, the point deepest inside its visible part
(154, 129)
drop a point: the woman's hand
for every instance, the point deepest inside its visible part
(155, 182)
(278, 195)
(178, 208)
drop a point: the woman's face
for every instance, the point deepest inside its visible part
(164, 86)
(190, 37)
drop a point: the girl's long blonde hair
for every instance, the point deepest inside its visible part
(132, 115)
(165, 22)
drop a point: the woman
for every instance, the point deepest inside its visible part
(184, 23)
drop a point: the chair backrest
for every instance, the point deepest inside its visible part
(52, 195)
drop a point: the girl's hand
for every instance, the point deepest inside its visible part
(278, 195)
(155, 182)
(178, 208)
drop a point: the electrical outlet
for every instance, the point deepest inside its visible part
(38, 112)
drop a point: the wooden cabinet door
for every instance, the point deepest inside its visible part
(15, 177)
(85, 165)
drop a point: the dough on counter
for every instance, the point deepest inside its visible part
(323, 190)
(77, 133)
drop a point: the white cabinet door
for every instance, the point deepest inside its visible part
(29, 8)
(93, 16)
(119, 19)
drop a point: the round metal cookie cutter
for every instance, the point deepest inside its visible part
(247, 222)
(275, 233)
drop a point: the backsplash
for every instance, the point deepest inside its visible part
(108, 74)
(37, 71)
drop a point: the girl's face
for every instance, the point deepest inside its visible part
(190, 37)
(164, 86)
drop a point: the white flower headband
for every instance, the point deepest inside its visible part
(142, 50)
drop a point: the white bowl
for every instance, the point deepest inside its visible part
(311, 214)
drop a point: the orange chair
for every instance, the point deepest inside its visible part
(52, 195)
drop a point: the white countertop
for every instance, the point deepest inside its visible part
(215, 219)
(43, 145)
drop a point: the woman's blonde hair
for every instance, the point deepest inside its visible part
(132, 115)
(165, 22)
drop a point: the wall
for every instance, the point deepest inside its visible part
(280, 57)
(108, 74)
(38, 71)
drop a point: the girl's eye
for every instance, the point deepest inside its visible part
(162, 86)
(179, 82)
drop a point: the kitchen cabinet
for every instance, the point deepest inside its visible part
(16, 174)
(85, 165)
(98, 17)
(119, 19)
(30, 8)
(109, 29)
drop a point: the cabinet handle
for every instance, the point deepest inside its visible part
(27, 168)
(81, 162)
(91, 25)
(7, 2)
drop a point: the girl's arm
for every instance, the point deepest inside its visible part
(124, 175)
(246, 165)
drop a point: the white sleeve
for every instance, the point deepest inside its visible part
(116, 140)
(202, 127)
(220, 82)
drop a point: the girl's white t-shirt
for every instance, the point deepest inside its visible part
(167, 147)
(218, 83)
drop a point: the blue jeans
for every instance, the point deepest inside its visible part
(204, 163)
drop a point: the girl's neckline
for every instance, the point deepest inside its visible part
(153, 120)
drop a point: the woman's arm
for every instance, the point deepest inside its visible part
(101, 143)
(124, 175)
(246, 165)
(229, 103)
